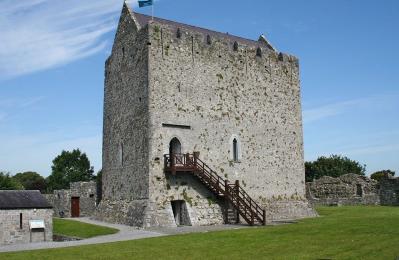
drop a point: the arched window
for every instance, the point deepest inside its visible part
(120, 154)
(235, 150)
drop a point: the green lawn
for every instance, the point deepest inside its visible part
(78, 229)
(340, 233)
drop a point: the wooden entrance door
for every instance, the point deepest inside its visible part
(75, 208)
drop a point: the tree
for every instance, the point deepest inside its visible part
(9, 183)
(69, 167)
(381, 174)
(31, 181)
(334, 166)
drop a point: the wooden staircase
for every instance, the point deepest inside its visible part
(233, 193)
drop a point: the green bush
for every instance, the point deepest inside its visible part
(334, 166)
(381, 174)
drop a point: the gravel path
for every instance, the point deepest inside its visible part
(125, 233)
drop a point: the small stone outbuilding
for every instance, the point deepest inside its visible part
(79, 201)
(25, 216)
(348, 189)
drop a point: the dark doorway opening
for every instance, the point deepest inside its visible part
(359, 191)
(180, 213)
(175, 146)
(75, 207)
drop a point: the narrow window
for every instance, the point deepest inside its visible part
(280, 57)
(235, 46)
(120, 154)
(20, 220)
(235, 150)
(259, 52)
(178, 33)
(208, 39)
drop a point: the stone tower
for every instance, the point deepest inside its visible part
(177, 88)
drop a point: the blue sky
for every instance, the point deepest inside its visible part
(52, 57)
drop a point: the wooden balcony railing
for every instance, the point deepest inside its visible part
(246, 207)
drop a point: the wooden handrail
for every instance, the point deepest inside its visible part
(234, 193)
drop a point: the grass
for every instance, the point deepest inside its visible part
(72, 228)
(340, 233)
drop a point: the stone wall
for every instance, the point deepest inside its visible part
(250, 93)
(12, 233)
(61, 202)
(61, 199)
(389, 191)
(349, 189)
(125, 135)
(222, 94)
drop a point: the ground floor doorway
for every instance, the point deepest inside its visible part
(75, 207)
(180, 213)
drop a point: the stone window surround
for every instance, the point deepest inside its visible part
(239, 152)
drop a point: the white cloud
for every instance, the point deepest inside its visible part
(335, 109)
(41, 34)
(314, 114)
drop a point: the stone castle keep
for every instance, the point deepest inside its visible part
(173, 89)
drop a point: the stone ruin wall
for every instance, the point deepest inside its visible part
(61, 202)
(389, 191)
(353, 189)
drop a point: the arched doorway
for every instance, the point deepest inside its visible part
(175, 146)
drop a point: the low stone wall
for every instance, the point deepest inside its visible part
(348, 189)
(61, 202)
(12, 233)
(288, 210)
(389, 191)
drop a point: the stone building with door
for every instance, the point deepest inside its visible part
(25, 216)
(78, 201)
(175, 89)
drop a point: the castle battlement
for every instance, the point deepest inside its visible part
(204, 38)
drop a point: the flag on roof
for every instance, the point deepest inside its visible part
(143, 3)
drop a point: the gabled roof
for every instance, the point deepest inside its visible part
(23, 199)
(143, 20)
